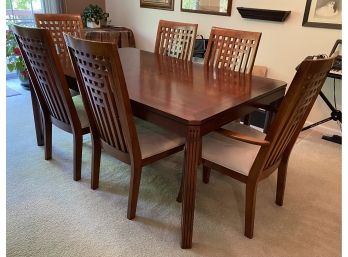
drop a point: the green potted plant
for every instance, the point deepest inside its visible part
(93, 16)
(15, 61)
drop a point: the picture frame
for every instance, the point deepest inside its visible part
(207, 7)
(158, 4)
(323, 14)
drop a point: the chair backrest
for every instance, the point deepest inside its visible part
(293, 111)
(58, 24)
(46, 74)
(232, 49)
(176, 39)
(104, 93)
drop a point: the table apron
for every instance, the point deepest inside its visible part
(166, 122)
(181, 127)
(237, 112)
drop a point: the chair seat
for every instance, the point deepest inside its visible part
(230, 153)
(81, 112)
(154, 140)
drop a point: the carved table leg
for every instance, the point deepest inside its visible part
(37, 117)
(192, 155)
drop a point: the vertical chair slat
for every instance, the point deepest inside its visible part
(232, 49)
(176, 39)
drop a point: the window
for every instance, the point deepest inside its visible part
(22, 11)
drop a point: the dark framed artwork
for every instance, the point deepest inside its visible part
(158, 4)
(323, 14)
(217, 7)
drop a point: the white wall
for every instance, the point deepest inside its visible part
(282, 47)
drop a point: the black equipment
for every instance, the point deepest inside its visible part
(200, 46)
(336, 70)
(336, 115)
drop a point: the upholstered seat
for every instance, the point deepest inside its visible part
(81, 112)
(154, 140)
(230, 153)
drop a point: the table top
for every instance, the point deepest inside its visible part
(188, 91)
(184, 91)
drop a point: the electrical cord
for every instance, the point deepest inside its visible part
(335, 103)
(334, 82)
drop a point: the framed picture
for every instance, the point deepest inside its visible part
(221, 7)
(323, 14)
(158, 4)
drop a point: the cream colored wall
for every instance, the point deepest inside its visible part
(73, 6)
(283, 44)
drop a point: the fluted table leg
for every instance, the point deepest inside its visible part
(192, 155)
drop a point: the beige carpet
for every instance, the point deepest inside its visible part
(48, 214)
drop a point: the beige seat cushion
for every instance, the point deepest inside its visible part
(154, 140)
(81, 111)
(232, 154)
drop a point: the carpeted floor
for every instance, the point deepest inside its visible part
(49, 214)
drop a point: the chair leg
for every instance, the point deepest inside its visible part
(179, 197)
(270, 114)
(246, 120)
(206, 174)
(38, 117)
(78, 139)
(281, 181)
(133, 190)
(268, 121)
(48, 139)
(250, 202)
(95, 164)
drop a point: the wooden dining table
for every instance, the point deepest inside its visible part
(191, 100)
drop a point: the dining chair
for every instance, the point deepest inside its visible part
(176, 39)
(58, 24)
(248, 155)
(104, 92)
(232, 49)
(51, 89)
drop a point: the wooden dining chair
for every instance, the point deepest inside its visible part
(176, 39)
(104, 92)
(250, 156)
(58, 24)
(51, 88)
(232, 49)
